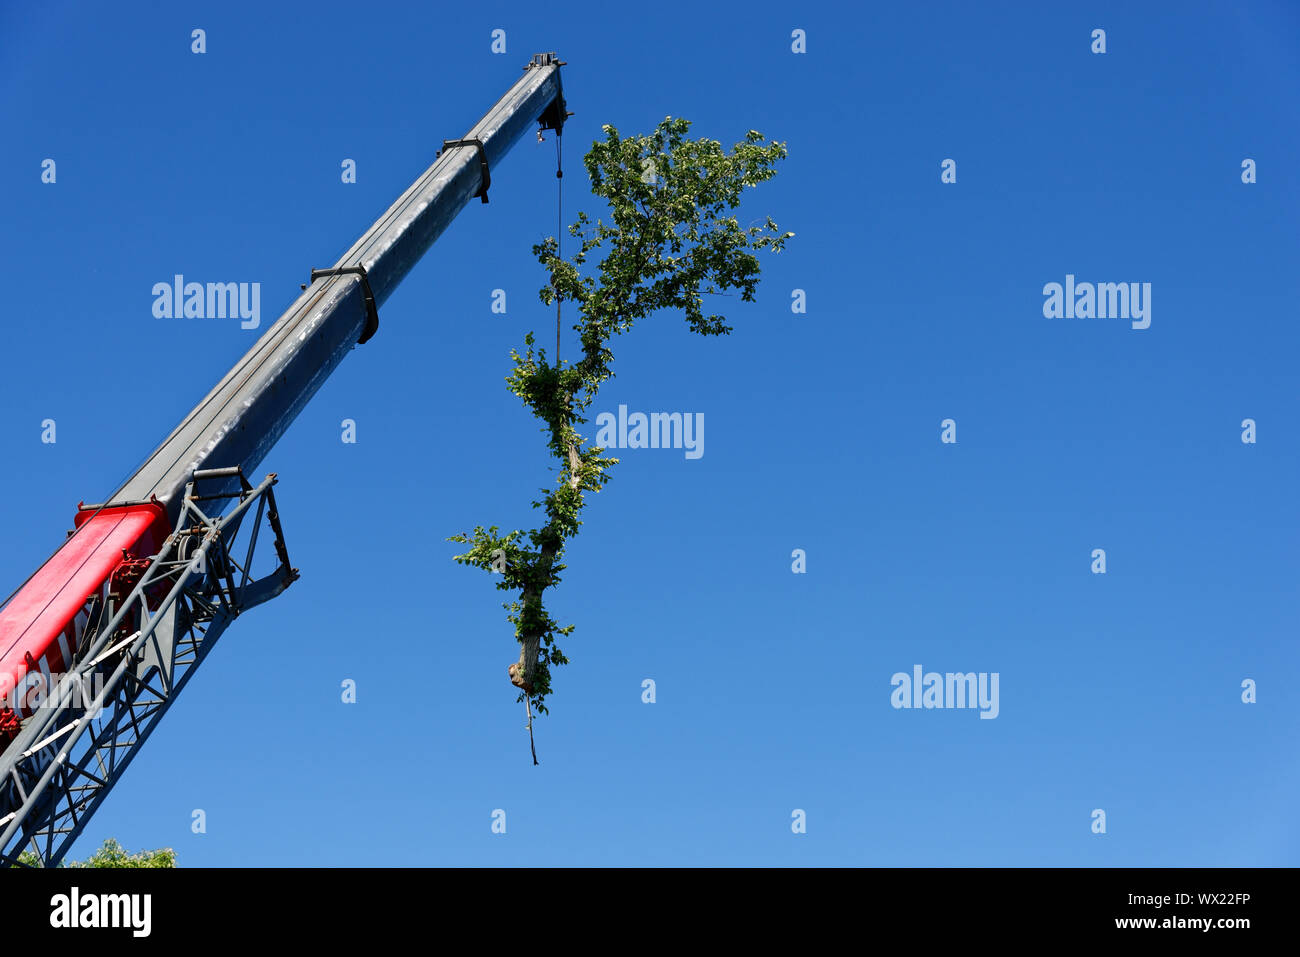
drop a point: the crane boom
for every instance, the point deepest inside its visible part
(248, 411)
(96, 645)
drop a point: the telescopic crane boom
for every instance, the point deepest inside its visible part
(96, 645)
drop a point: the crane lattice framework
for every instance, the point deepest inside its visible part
(160, 560)
(79, 742)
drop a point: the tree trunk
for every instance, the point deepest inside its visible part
(524, 671)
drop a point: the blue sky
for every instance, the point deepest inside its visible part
(1119, 691)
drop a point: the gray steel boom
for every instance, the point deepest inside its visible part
(245, 415)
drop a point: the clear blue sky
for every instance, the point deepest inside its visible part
(1119, 691)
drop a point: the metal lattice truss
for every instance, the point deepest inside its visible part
(78, 743)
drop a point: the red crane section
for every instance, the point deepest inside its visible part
(40, 628)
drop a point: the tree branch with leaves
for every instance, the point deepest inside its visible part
(671, 238)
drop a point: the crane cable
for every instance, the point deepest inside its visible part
(559, 233)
